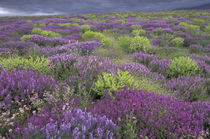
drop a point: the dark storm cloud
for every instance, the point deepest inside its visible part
(16, 7)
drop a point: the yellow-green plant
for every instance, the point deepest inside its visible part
(124, 42)
(137, 32)
(85, 28)
(69, 24)
(189, 27)
(177, 42)
(140, 43)
(39, 64)
(183, 66)
(39, 31)
(88, 35)
(111, 82)
(25, 37)
(135, 26)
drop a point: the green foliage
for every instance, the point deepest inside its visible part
(91, 35)
(177, 42)
(207, 29)
(85, 28)
(69, 24)
(135, 26)
(39, 31)
(41, 65)
(137, 32)
(25, 37)
(124, 42)
(111, 82)
(140, 43)
(199, 21)
(121, 20)
(189, 27)
(183, 66)
(42, 25)
(50, 34)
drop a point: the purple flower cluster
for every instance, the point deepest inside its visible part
(189, 88)
(70, 124)
(18, 85)
(157, 116)
(41, 40)
(144, 58)
(134, 68)
(88, 46)
(159, 65)
(94, 65)
(63, 58)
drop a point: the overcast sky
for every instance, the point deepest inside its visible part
(37, 7)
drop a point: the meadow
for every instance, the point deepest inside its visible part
(106, 75)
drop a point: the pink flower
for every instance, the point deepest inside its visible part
(134, 104)
(133, 118)
(21, 110)
(84, 84)
(118, 118)
(141, 136)
(10, 130)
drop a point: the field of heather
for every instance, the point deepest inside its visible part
(106, 76)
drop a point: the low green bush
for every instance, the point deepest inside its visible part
(111, 82)
(41, 65)
(137, 32)
(124, 42)
(39, 31)
(25, 37)
(85, 28)
(207, 29)
(177, 42)
(135, 26)
(140, 43)
(69, 24)
(183, 66)
(199, 21)
(189, 27)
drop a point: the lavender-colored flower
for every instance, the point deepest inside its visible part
(158, 116)
(143, 57)
(75, 123)
(161, 66)
(18, 85)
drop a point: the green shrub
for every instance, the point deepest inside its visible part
(189, 27)
(41, 65)
(121, 20)
(183, 66)
(137, 32)
(140, 43)
(42, 25)
(135, 26)
(25, 37)
(207, 29)
(50, 34)
(90, 35)
(111, 82)
(69, 24)
(39, 31)
(124, 42)
(85, 28)
(177, 42)
(199, 21)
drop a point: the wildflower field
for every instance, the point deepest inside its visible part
(106, 76)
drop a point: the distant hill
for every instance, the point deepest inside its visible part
(204, 6)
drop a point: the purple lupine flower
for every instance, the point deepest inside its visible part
(188, 88)
(19, 85)
(63, 58)
(134, 68)
(158, 116)
(76, 124)
(161, 66)
(143, 57)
